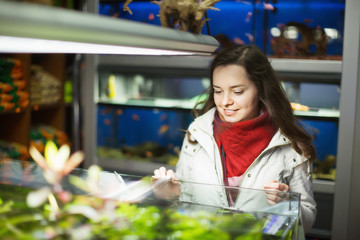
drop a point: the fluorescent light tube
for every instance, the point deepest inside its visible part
(33, 45)
(90, 33)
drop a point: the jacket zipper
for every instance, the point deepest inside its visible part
(257, 159)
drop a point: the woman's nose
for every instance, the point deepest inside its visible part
(227, 100)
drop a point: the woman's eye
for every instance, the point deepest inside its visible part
(217, 91)
(238, 92)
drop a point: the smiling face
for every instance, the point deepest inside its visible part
(235, 96)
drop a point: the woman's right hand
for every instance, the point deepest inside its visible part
(165, 184)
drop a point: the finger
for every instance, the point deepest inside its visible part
(283, 187)
(157, 173)
(272, 185)
(162, 172)
(273, 198)
(171, 174)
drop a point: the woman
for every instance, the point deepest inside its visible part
(246, 136)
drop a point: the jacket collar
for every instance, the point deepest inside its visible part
(205, 121)
(278, 140)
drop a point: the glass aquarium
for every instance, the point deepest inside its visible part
(111, 205)
(310, 29)
(143, 115)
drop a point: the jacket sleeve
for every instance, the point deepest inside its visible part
(301, 183)
(182, 172)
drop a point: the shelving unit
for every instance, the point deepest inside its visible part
(15, 126)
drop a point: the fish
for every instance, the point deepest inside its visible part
(107, 122)
(268, 6)
(248, 17)
(151, 16)
(119, 112)
(163, 129)
(238, 41)
(250, 36)
(135, 117)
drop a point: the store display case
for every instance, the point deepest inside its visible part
(130, 205)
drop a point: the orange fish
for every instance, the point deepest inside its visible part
(238, 41)
(107, 122)
(119, 112)
(151, 16)
(164, 128)
(135, 117)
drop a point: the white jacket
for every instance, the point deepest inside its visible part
(201, 162)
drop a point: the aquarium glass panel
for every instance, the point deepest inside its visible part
(144, 116)
(281, 28)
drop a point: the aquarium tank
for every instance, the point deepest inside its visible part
(281, 28)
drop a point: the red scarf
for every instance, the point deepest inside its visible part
(241, 143)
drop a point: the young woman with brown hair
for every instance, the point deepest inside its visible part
(245, 135)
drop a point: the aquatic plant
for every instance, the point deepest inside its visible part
(185, 15)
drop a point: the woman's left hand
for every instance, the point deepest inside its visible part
(277, 193)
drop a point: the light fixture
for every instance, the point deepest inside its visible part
(42, 29)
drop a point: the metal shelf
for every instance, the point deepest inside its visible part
(157, 103)
(187, 104)
(306, 65)
(320, 113)
(294, 70)
(181, 62)
(308, 70)
(323, 186)
(279, 64)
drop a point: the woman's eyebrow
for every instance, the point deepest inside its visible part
(235, 86)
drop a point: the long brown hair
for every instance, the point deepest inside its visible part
(271, 94)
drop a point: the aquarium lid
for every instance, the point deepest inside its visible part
(33, 28)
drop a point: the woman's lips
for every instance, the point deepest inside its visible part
(229, 112)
